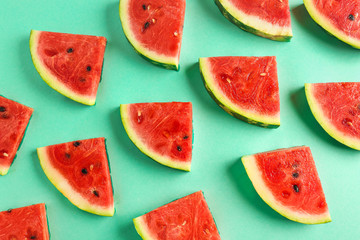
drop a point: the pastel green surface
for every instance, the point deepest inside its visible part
(141, 184)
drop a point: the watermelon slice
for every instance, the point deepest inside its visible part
(265, 18)
(24, 223)
(14, 118)
(69, 63)
(340, 18)
(154, 28)
(163, 131)
(80, 170)
(245, 87)
(287, 180)
(186, 218)
(336, 106)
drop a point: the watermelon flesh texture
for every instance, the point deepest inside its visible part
(163, 131)
(270, 18)
(186, 218)
(69, 63)
(24, 223)
(287, 180)
(245, 87)
(340, 18)
(14, 118)
(80, 171)
(336, 106)
(154, 28)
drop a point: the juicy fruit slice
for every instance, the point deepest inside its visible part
(24, 223)
(269, 18)
(154, 28)
(69, 63)
(80, 170)
(336, 106)
(14, 118)
(287, 180)
(163, 131)
(186, 218)
(341, 18)
(245, 87)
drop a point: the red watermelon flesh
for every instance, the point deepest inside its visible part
(246, 87)
(288, 181)
(186, 218)
(69, 63)
(154, 28)
(336, 106)
(163, 131)
(80, 170)
(24, 223)
(14, 118)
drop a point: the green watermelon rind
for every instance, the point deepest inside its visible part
(125, 118)
(171, 63)
(253, 24)
(228, 106)
(57, 179)
(142, 228)
(326, 24)
(327, 125)
(255, 176)
(50, 78)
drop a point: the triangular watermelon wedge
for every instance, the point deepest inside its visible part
(186, 218)
(265, 18)
(336, 106)
(162, 131)
(245, 87)
(287, 180)
(69, 63)
(14, 118)
(154, 28)
(24, 223)
(80, 170)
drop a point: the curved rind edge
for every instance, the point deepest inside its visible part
(142, 229)
(151, 56)
(49, 78)
(327, 126)
(331, 29)
(238, 17)
(62, 185)
(255, 176)
(139, 144)
(220, 99)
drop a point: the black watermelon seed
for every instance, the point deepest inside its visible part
(146, 25)
(2, 109)
(33, 237)
(67, 155)
(351, 17)
(70, 50)
(76, 144)
(186, 137)
(296, 188)
(96, 193)
(82, 80)
(88, 68)
(295, 174)
(9, 210)
(179, 148)
(84, 171)
(144, 6)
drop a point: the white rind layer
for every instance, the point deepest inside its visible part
(142, 229)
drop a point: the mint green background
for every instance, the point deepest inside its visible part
(141, 184)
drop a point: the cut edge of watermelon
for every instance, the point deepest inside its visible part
(253, 24)
(50, 78)
(330, 28)
(255, 176)
(171, 63)
(143, 148)
(325, 124)
(57, 179)
(228, 106)
(4, 170)
(142, 228)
